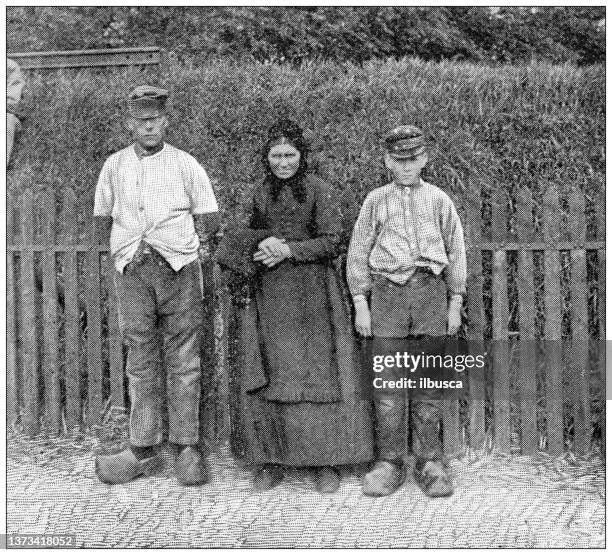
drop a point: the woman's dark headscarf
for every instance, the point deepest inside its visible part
(292, 133)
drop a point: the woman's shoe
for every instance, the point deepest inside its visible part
(327, 479)
(267, 477)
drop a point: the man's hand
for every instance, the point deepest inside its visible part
(363, 320)
(273, 253)
(454, 314)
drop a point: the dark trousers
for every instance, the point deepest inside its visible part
(160, 315)
(418, 311)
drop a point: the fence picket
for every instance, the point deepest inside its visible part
(94, 331)
(221, 351)
(29, 343)
(72, 333)
(12, 376)
(475, 308)
(601, 293)
(24, 372)
(580, 368)
(601, 307)
(50, 317)
(450, 427)
(115, 343)
(501, 353)
(552, 325)
(526, 297)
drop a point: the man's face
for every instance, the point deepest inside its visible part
(406, 171)
(148, 132)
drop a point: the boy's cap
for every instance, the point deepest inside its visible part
(405, 141)
(147, 102)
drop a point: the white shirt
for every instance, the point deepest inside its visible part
(152, 199)
(402, 228)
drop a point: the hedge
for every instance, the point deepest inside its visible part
(533, 125)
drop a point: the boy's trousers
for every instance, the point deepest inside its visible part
(160, 315)
(417, 311)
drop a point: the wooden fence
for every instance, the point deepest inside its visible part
(535, 273)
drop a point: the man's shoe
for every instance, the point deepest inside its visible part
(433, 477)
(383, 479)
(267, 477)
(327, 479)
(124, 467)
(190, 467)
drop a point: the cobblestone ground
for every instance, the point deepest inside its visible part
(499, 502)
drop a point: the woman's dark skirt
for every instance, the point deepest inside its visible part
(274, 419)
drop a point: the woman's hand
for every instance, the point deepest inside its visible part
(271, 260)
(271, 246)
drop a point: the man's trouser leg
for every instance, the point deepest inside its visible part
(138, 319)
(181, 312)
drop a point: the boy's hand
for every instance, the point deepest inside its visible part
(454, 314)
(363, 320)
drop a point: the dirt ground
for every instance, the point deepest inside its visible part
(500, 501)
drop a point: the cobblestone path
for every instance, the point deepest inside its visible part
(499, 502)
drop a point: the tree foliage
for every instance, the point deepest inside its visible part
(356, 34)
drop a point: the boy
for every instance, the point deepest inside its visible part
(163, 210)
(407, 253)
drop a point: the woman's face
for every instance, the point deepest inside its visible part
(284, 160)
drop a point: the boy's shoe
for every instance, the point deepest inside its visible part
(327, 479)
(190, 467)
(124, 467)
(433, 477)
(383, 479)
(267, 477)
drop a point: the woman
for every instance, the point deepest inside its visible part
(296, 395)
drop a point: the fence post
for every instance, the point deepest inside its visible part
(601, 351)
(72, 335)
(50, 366)
(552, 325)
(94, 329)
(221, 352)
(579, 367)
(12, 372)
(115, 342)
(29, 342)
(528, 359)
(501, 352)
(475, 317)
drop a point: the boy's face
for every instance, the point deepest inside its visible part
(406, 171)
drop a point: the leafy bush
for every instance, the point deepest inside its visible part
(357, 34)
(534, 125)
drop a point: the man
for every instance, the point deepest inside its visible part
(163, 209)
(14, 86)
(407, 254)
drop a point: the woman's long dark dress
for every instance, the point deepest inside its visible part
(296, 396)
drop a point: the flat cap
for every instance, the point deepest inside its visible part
(146, 101)
(405, 141)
